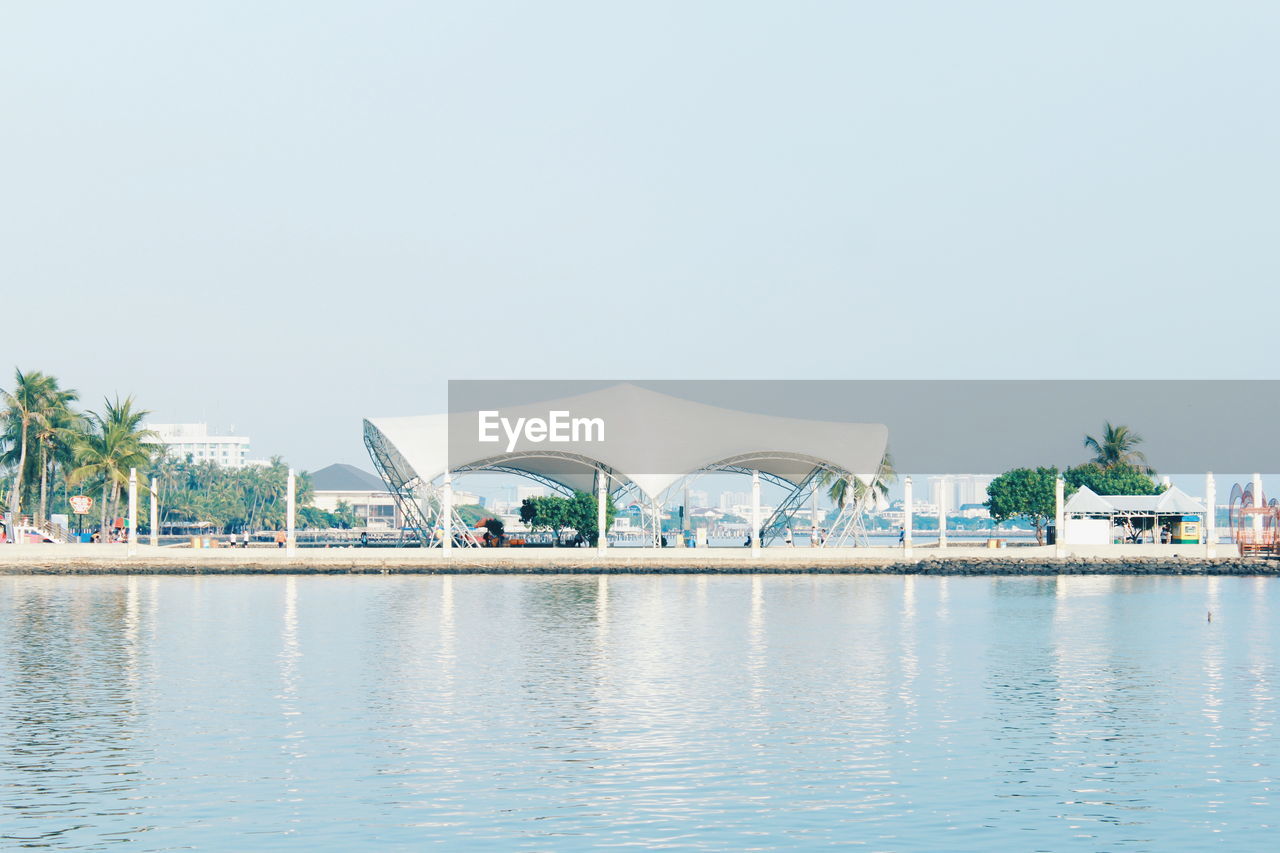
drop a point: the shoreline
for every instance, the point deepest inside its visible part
(19, 560)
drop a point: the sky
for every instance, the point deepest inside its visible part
(289, 216)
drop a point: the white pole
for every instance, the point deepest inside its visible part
(1257, 501)
(602, 517)
(133, 511)
(1059, 502)
(291, 531)
(446, 510)
(942, 512)
(907, 520)
(155, 514)
(1211, 516)
(755, 513)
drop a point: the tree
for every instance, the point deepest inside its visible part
(554, 513)
(113, 443)
(550, 512)
(344, 516)
(57, 427)
(1117, 479)
(1117, 447)
(23, 406)
(582, 515)
(1024, 493)
(838, 487)
(236, 499)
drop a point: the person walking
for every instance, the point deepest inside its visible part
(790, 542)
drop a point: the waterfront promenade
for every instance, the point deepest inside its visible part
(960, 560)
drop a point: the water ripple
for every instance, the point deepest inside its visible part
(755, 713)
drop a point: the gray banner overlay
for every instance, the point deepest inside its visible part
(977, 426)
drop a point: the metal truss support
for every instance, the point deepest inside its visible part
(650, 511)
(546, 482)
(402, 489)
(420, 502)
(431, 499)
(849, 528)
(851, 525)
(784, 516)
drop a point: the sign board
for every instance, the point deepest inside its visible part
(81, 503)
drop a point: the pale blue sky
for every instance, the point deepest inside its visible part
(395, 194)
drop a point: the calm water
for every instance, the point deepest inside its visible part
(696, 712)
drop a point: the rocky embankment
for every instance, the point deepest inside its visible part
(332, 563)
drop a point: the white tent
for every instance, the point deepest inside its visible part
(1090, 517)
(650, 439)
(1173, 501)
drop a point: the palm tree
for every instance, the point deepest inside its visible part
(56, 429)
(114, 443)
(838, 487)
(23, 406)
(1117, 448)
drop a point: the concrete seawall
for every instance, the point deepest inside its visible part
(1134, 560)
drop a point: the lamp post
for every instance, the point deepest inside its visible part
(602, 516)
(291, 507)
(942, 512)
(907, 520)
(1210, 516)
(446, 511)
(155, 514)
(1059, 502)
(133, 512)
(755, 513)
(1258, 501)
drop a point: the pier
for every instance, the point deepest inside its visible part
(959, 560)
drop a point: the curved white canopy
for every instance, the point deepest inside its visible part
(646, 437)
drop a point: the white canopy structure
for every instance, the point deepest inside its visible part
(1091, 519)
(1173, 501)
(620, 437)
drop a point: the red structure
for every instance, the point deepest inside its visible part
(1255, 522)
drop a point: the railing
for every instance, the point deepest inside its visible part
(56, 532)
(45, 530)
(1252, 541)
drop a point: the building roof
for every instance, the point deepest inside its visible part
(346, 478)
(1173, 501)
(653, 440)
(1088, 501)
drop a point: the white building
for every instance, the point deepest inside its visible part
(972, 489)
(919, 509)
(195, 441)
(960, 489)
(365, 493)
(523, 492)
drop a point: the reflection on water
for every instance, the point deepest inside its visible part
(758, 712)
